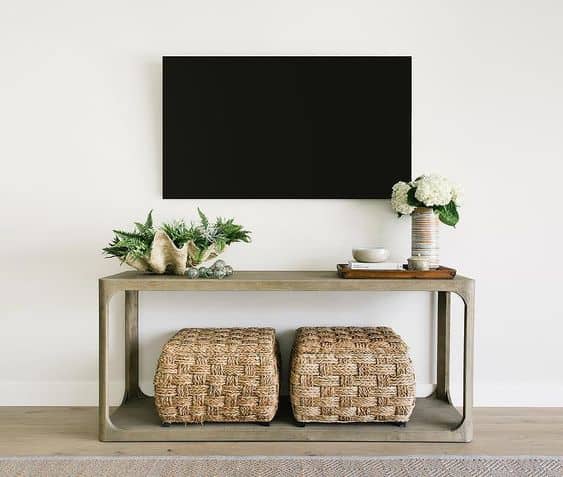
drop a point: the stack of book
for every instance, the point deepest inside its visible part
(374, 266)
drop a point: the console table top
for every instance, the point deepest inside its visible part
(280, 281)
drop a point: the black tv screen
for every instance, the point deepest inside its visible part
(285, 127)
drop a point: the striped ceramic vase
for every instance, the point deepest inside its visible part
(425, 235)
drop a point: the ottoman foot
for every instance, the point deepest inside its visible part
(401, 424)
(165, 424)
(265, 424)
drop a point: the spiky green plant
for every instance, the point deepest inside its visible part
(222, 232)
(137, 244)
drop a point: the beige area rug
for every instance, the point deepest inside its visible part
(435, 466)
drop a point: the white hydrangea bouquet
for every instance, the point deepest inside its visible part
(430, 191)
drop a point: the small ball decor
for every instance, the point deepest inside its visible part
(218, 271)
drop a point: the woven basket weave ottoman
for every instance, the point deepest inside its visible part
(349, 374)
(218, 375)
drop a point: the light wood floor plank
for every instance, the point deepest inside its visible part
(72, 431)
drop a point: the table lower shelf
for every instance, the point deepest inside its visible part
(433, 420)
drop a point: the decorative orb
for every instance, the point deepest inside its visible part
(219, 264)
(219, 273)
(203, 272)
(228, 270)
(192, 272)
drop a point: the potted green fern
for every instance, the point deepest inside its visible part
(175, 245)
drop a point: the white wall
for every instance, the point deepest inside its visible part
(80, 150)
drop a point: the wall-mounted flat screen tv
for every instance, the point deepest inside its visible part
(285, 126)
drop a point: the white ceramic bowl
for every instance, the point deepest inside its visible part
(370, 255)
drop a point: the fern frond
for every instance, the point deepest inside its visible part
(122, 234)
(203, 218)
(137, 244)
(148, 222)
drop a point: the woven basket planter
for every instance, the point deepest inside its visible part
(218, 375)
(351, 375)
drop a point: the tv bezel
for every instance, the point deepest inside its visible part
(218, 195)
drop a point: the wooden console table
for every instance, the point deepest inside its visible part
(434, 419)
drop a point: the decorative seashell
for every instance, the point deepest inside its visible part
(140, 264)
(164, 256)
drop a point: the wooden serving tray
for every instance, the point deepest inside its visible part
(438, 273)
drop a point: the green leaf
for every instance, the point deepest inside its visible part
(140, 227)
(138, 243)
(448, 214)
(179, 232)
(148, 222)
(123, 235)
(412, 200)
(220, 245)
(203, 218)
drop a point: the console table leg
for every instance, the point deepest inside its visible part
(105, 425)
(132, 389)
(468, 297)
(468, 346)
(443, 347)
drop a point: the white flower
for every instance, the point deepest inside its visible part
(433, 190)
(399, 198)
(457, 194)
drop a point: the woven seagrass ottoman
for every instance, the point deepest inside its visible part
(218, 375)
(348, 374)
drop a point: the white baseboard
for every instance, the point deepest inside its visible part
(85, 393)
(81, 393)
(55, 393)
(521, 394)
